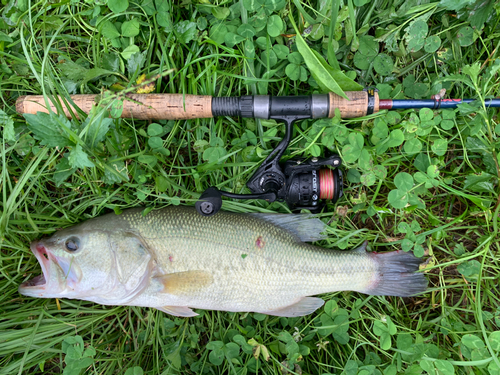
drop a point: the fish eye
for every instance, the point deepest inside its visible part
(72, 244)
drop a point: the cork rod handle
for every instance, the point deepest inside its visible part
(185, 107)
(138, 106)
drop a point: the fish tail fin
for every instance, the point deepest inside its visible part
(397, 275)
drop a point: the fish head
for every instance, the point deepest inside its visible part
(75, 263)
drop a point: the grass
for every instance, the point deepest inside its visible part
(433, 189)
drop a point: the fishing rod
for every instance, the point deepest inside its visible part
(301, 183)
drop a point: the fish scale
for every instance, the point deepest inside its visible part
(174, 259)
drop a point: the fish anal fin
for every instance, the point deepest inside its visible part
(184, 282)
(181, 311)
(305, 306)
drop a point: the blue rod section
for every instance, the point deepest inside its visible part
(436, 104)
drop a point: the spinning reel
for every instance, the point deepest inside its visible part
(300, 183)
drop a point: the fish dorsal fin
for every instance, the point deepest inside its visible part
(182, 311)
(184, 282)
(305, 306)
(361, 249)
(306, 227)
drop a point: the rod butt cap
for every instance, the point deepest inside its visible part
(20, 104)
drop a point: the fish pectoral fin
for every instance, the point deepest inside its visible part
(182, 311)
(184, 282)
(305, 306)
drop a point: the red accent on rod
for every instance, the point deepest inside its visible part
(326, 184)
(385, 104)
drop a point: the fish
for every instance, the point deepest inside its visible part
(176, 260)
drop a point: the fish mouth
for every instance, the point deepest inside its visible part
(38, 283)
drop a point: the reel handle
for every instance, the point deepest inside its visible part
(210, 201)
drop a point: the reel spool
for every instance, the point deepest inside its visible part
(308, 189)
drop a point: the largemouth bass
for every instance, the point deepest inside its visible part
(174, 260)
